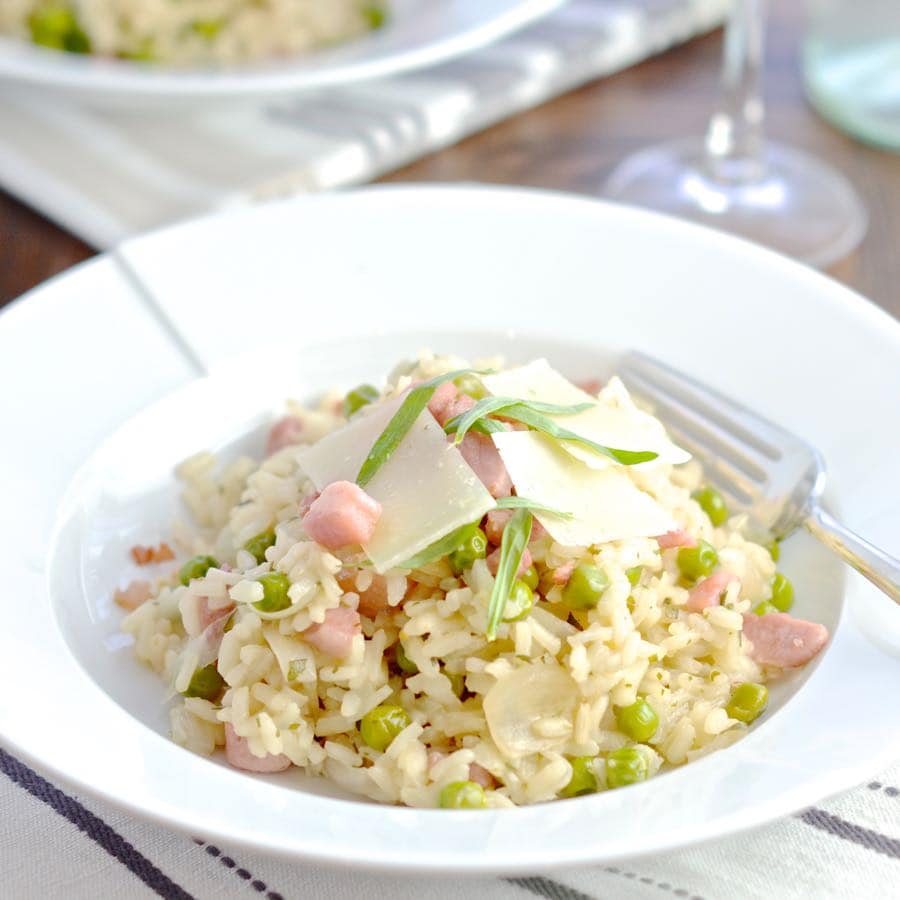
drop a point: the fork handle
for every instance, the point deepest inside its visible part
(880, 568)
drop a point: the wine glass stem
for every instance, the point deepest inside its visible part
(734, 138)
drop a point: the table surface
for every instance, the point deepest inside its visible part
(572, 142)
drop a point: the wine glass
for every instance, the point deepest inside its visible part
(735, 180)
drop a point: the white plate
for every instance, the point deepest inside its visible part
(419, 33)
(100, 373)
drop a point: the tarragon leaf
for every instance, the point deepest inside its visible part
(539, 422)
(512, 546)
(441, 547)
(533, 505)
(488, 406)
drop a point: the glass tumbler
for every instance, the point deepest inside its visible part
(851, 63)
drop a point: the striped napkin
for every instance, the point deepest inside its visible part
(54, 844)
(106, 176)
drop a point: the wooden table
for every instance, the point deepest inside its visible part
(573, 142)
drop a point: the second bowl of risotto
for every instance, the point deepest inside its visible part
(134, 54)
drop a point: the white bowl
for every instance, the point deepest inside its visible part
(419, 33)
(192, 336)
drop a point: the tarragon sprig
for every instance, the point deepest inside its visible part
(512, 546)
(535, 416)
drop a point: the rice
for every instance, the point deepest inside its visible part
(190, 31)
(639, 642)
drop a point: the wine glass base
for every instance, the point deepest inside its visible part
(792, 203)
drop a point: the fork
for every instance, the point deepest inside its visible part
(771, 474)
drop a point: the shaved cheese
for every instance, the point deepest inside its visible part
(613, 420)
(605, 504)
(426, 489)
(536, 381)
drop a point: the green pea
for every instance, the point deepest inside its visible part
(463, 795)
(713, 504)
(374, 15)
(634, 574)
(585, 587)
(748, 701)
(206, 683)
(359, 397)
(625, 766)
(258, 545)
(638, 721)
(697, 562)
(472, 545)
(404, 663)
(519, 604)
(207, 28)
(764, 608)
(56, 27)
(530, 577)
(196, 567)
(782, 593)
(275, 592)
(379, 726)
(471, 385)
(583, 780)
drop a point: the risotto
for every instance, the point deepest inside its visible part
(473, 587)
(190, 31)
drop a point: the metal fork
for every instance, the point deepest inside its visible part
(762, 469)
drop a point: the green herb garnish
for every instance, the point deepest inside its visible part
(440, 548)
(493, 405)
(533, 505)
(536, 421)
(402, 420)
(515, 540)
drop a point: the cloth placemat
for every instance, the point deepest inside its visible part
(106, 176)
(55, 844)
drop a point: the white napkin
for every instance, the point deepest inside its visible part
(53, 844)
(106, 176)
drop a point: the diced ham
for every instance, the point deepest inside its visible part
(562, 574)
(591, 386)
(677, 538)
(283, 433)
(373, 600)
(239, 755)
(495, 521)
(144, 556)
(446, 403)
(781, 640)
(335, 635)
(441, 401)
(304, 505)
(480, 775)
(498, 519)
(493, 561)
(133, 595)
(341, 515)
(206, 616)
(479, 452)
(708, 592)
